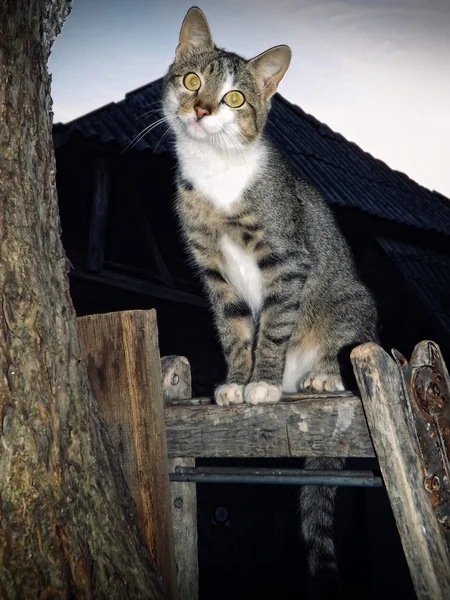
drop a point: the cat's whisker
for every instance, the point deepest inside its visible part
(225, 138)
(240, 145)
(222, 137)
(236, 129)
(170, 129)
(150, 112)
(160, 102)
(144, 132)
(234, 143)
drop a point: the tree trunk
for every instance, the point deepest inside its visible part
(68, 525)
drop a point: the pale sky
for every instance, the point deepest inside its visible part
(376, 71)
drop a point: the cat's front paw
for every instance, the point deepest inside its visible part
(321, 382)
(229, 393)
(260, 392)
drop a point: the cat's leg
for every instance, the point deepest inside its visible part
(235, 325)
(312, 358)
(234, 322)
(301, 358)
(284, 275)
(317, 360)
(278, 318)
(342, 320)
(325, 377)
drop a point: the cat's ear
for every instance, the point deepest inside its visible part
(270, 68)
(195, 33)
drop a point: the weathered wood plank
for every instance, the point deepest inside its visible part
(176, 384)
(184, 511)
(398, 453)
(423, 355)
(299, 425)
(122, 356)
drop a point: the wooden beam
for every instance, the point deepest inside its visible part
(160, 263)
(299, 425)
(138, 286)
(184, 513)
(176, 383)
(99, 215)
(397, 448)
(122, 357)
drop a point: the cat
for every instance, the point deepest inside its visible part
(287, 301)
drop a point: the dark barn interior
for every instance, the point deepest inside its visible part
(121, 237)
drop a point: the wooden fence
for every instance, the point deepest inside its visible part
(157, 428)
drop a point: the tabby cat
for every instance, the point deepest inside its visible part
(287, 301)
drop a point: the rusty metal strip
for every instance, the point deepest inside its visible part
(427, 388)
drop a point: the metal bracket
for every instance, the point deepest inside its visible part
(429, 410)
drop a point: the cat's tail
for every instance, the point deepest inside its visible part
(316, 504)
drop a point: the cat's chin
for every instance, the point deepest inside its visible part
(196, 130)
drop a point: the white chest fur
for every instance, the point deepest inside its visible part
(242, 273)
(221, 177)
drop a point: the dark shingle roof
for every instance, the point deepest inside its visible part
(427, 274)
(346, 175)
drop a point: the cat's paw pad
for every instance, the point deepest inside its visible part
(321, 382)
(229, 393)
(261, 392)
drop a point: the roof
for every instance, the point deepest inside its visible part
(346, 175)
(427, 275)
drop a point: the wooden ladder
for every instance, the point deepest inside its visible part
(404, 405)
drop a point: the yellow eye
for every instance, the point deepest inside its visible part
(192, 82)
(234, 99)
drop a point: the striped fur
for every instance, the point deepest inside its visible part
(317, 529)
(287, 302)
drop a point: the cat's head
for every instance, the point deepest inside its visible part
(216, 96)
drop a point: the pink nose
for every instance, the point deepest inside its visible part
(201, 112)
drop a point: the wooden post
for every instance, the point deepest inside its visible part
(122, 356)
(176, 377)
(398, 452)
(184, 511)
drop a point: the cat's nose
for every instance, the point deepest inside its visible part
(201, 112)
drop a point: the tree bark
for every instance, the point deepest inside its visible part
(68, 525)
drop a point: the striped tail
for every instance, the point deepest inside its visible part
(316, 504)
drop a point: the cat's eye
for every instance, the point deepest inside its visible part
(192, 82)
(234, 99)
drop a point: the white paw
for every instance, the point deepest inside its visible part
(261, 392)
(321, 382)
(229, 393)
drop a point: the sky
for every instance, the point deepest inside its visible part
(376, 71)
